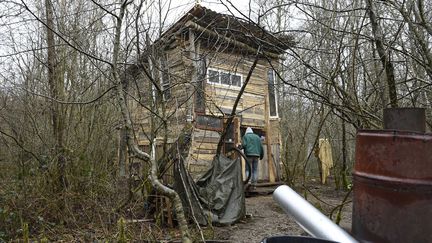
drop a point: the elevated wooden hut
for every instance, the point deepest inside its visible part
(197, 68)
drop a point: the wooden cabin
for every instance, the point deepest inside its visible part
(196, 71)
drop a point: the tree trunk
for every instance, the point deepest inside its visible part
(344, 157)
(133, 147)
(56, 87)
(383, 55)
(122, 152)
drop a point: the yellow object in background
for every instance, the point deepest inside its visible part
(325, 158)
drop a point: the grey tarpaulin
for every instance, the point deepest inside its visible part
(218, 196)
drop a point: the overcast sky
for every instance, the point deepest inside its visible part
(17, 26)
(179, 7)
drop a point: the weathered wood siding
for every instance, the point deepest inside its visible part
(219, 99)
(251, 108)
(176, 107)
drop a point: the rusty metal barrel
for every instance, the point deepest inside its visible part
(392, 186)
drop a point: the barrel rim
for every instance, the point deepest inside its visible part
(389, 181)
(392, 132)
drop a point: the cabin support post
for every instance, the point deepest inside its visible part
(271, 169)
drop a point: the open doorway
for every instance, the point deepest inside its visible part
(258, 131)
(262, 165)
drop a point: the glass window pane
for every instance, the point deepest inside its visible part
(225, 78)
(213, 76)
(165, 77)
(166, 91)
(200, 85)
(272, 93)
(236, 80)
(167, 94)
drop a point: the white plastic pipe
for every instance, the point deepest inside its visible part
(308, 217)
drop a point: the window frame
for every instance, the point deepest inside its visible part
(219, 83)
(164, 71)
(275, 93)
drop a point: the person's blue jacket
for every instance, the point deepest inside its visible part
(251, 144)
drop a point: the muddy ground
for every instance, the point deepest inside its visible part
(266, 218)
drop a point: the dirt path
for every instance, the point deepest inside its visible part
(268, 219)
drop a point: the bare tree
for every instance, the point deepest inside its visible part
(355, 57)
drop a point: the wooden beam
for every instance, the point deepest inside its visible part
(271, 169)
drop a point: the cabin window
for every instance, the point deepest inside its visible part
(272, 93)
(236, 80)
(200, 86)
(224, 78)
(213, 76)
(165, 78)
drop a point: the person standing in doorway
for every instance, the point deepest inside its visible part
(254, 151)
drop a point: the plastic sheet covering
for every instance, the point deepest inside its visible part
(217, 197)
(325, 158)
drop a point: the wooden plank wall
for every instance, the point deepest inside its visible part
(252, 106)
(176, 107)
(204, 144)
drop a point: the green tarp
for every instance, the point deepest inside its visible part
(217, 197)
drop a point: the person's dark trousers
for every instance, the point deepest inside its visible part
(253, 161)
